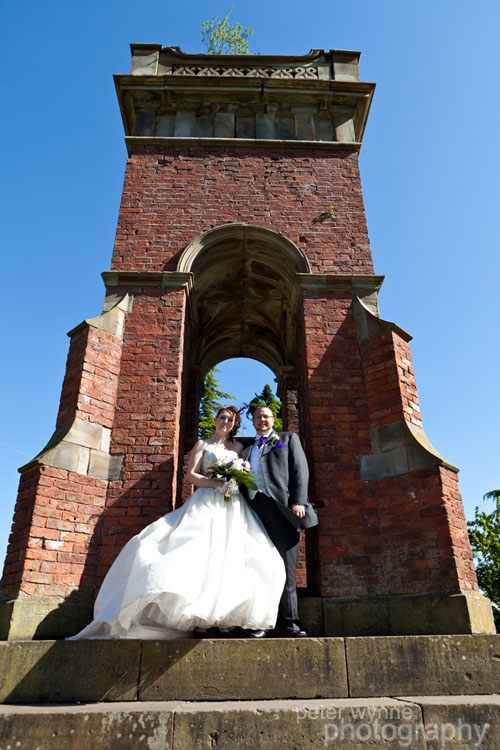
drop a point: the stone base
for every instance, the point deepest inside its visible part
(419, 723)
(43, 618)
(306, 693)
(426, 614)
(37, 617)
(247, 669)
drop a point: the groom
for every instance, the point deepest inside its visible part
(280, 469)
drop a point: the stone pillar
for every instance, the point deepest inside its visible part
(192, 397)
(287, 392)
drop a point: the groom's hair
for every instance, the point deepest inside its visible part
(237, 418)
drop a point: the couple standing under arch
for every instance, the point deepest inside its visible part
(211, 563)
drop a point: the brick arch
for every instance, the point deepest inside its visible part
(244, 295)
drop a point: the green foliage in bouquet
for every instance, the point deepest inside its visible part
(237, 469)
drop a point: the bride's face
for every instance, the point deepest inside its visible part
(224, 422)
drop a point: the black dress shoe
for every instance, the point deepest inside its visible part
(289, 633)
(201, 634)
(258, 634)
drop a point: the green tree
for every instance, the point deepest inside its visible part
(267, 398)
(222, 39)
(484, 533)
(211, 399)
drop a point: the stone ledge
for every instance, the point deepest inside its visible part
(276, 144)
(423, 665)
(163, 279)
(246, 669)
(398, 448)
(81, 447)
(371, 325)
(25, 617)
(405, 615)
(356, 282)
(111, 321)
(62, 671)
(43, 617)
(355, 724)
(243, 668)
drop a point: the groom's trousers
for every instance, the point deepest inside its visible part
(286, 540)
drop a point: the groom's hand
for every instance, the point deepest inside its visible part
(299, 510)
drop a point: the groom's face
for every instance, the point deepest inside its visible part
(263, 420)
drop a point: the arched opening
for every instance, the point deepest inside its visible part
(244, 297)
(243, 303)
(243, 378)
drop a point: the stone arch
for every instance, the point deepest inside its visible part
(244, 296)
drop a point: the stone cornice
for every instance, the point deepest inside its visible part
(286, 86)
(175, 279)
(316, 97)
(154, 59)
(365, 282)
(134, 140)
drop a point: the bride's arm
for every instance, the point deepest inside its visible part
(193, 471)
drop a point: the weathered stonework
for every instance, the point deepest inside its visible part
(242, 232)
(317, 97)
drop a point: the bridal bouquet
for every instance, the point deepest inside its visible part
(234, 473)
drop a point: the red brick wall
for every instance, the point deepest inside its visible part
(51, 549)
(92, 367)
(423, 534)
(169, 198)
(147, 418)
(391, 391)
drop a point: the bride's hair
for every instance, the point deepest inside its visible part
(237, 418)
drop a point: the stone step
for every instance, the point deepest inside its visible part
(248, 669)
(416, 722)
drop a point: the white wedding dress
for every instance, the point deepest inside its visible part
(208, 563)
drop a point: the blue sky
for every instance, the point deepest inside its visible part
(429, 164)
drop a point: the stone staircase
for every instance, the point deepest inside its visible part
(420, 692)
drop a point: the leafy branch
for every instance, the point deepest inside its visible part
(484, 533)
(222, 39)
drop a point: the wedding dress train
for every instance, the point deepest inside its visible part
(208, 563)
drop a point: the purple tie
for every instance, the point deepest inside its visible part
(261, 441)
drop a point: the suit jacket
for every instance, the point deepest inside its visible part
(286, 475)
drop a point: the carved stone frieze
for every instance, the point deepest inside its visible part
(234, 72)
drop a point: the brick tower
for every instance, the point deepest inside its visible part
(242, 232)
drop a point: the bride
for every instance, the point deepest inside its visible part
(206, 564)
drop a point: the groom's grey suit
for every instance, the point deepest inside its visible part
(286, 476)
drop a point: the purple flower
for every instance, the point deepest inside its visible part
(275, 442)
(229, 463)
